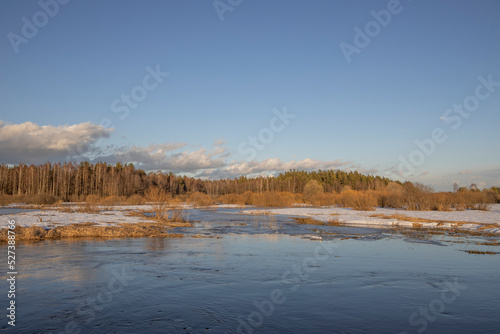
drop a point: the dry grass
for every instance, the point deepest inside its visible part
(173, 214)
(90, 230)
(38, 199)
(480, 252)
(425, 220)
(308, 221)
(335, 221)
(489, 243)
(454, 230)
(90, 205)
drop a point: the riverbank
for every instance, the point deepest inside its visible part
(65, 221)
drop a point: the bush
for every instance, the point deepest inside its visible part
(39, 199)
(358, 200)
(135, 200)
(312, 191)
(416, 196)
(111, 200)
(273, 199)
(324, 199)
(199, 199)
(232, 199)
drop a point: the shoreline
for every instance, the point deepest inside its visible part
(130, 221)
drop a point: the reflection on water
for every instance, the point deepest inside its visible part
(230, 221)
(255, 282)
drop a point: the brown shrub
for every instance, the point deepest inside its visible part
(273, 199)
(441, 201)
(199, 199)
(111, 200)
(357, 200)
(231, 199)
(312, 191)
(178, 199)
(324, 199)
(248, 197)
(135, 200)
(8, 199)
(40, 199)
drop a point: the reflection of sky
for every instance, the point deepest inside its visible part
(208, 282)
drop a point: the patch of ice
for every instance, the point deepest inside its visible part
(363, 218)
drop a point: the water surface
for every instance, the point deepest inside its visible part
(237, 279)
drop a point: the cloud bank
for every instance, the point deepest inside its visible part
(32, 143)
(36, 144)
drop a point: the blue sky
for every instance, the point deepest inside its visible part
(225, 78)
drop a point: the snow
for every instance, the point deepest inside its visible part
(52, 218)
(119, 214)
(362, 218)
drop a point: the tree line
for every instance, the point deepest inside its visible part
(71, 181)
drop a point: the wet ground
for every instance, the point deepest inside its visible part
(260, 274)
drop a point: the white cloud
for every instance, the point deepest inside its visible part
(166, 158)
(32, 143)
(269, 167)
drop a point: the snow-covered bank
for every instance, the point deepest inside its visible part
(484, 221)
(69, 214)
(53, 218)
(477, 219)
